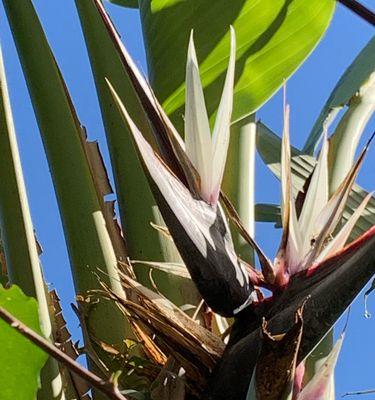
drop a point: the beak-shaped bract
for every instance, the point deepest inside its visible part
(198, 225)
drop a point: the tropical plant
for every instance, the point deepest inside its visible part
(203, 326)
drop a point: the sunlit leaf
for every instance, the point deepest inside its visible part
(20, 360)
(125, 3)
(266, 31)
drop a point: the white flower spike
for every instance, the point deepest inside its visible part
(208, 154)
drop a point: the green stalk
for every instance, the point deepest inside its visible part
(20, 248)
(345, 140)
(239, 180)
(88, 241)
(136, 203)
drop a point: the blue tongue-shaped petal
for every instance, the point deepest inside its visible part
(199, 230)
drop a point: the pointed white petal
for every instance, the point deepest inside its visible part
(341, 238)
(316, 196)
(331, 215)
(291, 232)
(294, 246)
(197, 128)
(317, 388)
(221, 134)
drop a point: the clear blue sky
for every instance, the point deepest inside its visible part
(307, 92)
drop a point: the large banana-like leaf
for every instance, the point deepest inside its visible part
(274, 37)
(79, 196)
(349, 84)
(302, 165)
(20, 247)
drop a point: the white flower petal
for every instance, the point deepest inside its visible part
(316, 196)
(221, 134)
(197, 128)
(341, 238)
(291, 232)
(318, 386)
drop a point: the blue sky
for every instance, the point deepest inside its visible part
(307, 91)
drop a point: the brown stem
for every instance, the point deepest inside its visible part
(360, 10)
(107, 388)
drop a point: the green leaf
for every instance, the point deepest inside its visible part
(20, 360)
(269, 144)
(125, 3)
(349, 84)
(268, 213)
(274, 37)
(20, 247)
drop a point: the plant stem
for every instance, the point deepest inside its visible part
(348, 133)
(238, 182)
(107, 388)
(360, 10)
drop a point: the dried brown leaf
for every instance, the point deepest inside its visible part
(73, 384)
(151, 349)
(277, 361)
(194, 347)
(163, 230)
(103, 188)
